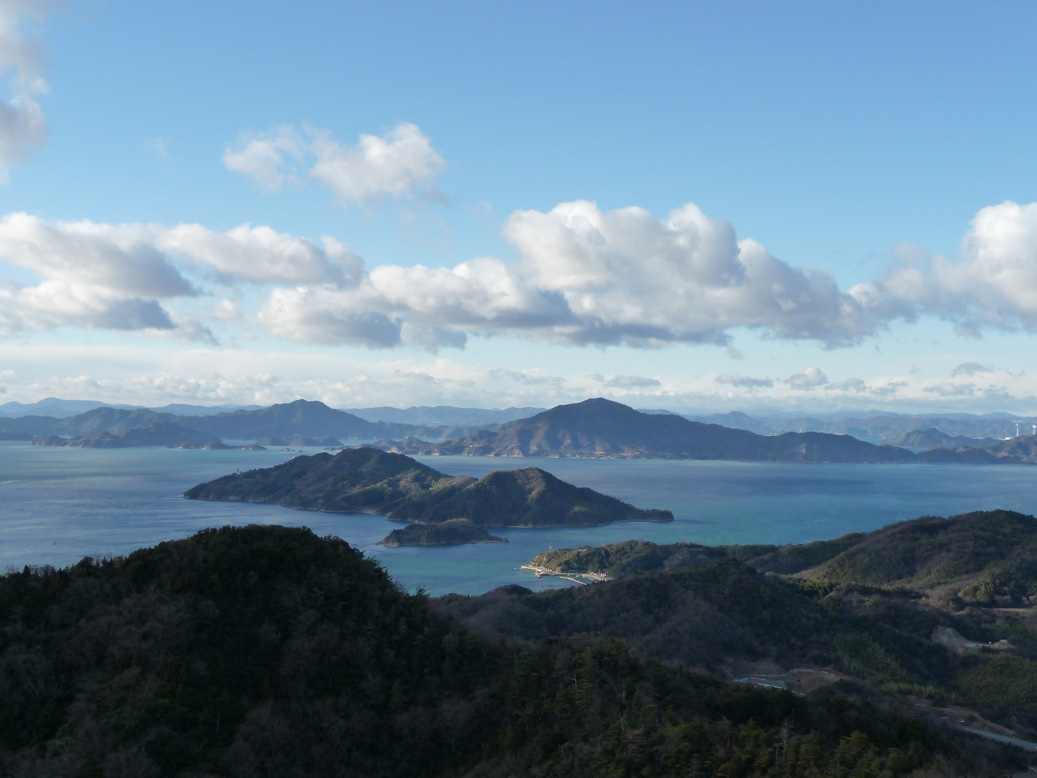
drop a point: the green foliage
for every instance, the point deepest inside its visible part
(1004, 681)
(265, 651)
(930, 551)
(373, 481)
(860, 655)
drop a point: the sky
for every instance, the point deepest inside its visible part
(756, 206)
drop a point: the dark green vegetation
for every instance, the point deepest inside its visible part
(266, 651)
(451, 532)
(942, 608)
(366, 480)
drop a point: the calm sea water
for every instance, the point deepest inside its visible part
(58, 505)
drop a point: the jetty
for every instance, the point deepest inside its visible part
(578, 578)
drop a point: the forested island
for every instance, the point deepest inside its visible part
(368, 480)
(266, 651)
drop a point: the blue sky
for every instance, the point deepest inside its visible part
(756, 206)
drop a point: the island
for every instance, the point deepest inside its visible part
(451, 532)
(367, 480)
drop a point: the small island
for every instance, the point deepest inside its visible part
(367, 480)
(452, 532)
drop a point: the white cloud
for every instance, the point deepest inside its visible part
(733, 379)
(261, 157)
(994, 284)
(631, 278)
(55, 304)
(23, 127)
(329, 316)
(102, 276)
(396, 164)
(582, 276)
(120, 258)
(808, 379)
(262, 254)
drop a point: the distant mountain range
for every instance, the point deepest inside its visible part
(301, 418)
(444, 415)
(593, 428)
(603, 428)
(878, 427)
(62, 409)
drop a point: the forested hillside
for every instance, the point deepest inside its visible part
(267, 651)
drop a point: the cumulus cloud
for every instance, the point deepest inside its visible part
(261, 157)
(631, 278)
(733, 379)
(262, 254)
(102, 276)
(395, 164)
(23, 127)
(994, 284)
(582, 275)
(808, 379)
(120, 258)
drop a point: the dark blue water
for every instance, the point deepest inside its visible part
(58, 505)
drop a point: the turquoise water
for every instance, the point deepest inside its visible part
(58, 505)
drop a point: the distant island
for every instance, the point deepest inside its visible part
(368, 480)
(606, 429)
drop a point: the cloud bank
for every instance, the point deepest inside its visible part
(582, 276)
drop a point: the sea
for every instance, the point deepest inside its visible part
(58, 505)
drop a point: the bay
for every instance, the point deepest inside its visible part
(58, 505)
